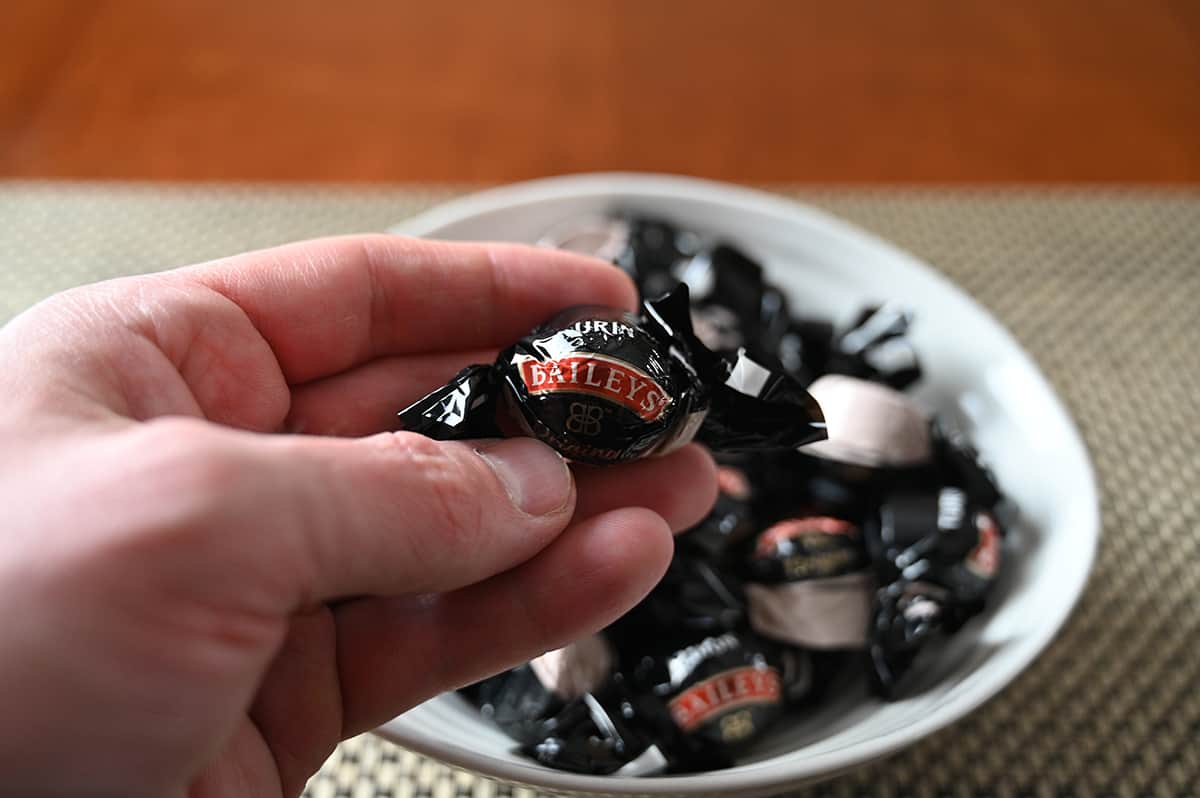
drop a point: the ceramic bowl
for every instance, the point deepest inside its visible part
(974, 371)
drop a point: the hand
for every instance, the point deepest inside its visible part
(192, 606)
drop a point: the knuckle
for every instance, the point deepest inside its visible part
(452, 492)
(411, 446)
(459, 508)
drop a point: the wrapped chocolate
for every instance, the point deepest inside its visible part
(570, 710)
(600, 732)
(809, 547)
(651, 251)
(516, 701)
(907, 617)
(724, 278)
(926, 534)
(681, 710)
(959, 464)
(796, 484)
(735, 307)
(575, 669)
(694, 598)
(875, 348)
(878, 439)
(810, 584)
(655, 253)
(936, 555)
(522, 700)
(722, 691)
(805, 348)
(602, 385)
(870, 425)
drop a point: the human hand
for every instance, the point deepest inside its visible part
(195, 607)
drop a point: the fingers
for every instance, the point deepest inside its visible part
(394, 653)
(366, 399)
(327, 305)
(312, 519)
(307, 519)
(400, 513)
(681, 487)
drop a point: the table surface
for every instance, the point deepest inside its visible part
(759, 90)
(1099, 286)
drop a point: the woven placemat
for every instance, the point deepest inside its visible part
(1103, 288)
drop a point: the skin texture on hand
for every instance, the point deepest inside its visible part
(217, 561)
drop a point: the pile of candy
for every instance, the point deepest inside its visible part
(866, 547)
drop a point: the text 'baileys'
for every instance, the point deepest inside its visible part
(724, 692)
(598, 376)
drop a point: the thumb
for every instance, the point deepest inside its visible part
(387, 514)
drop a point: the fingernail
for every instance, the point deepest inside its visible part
(536, 478)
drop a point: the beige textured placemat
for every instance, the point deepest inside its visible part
(1103, 288)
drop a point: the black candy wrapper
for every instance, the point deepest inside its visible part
(601, 385)
(936, 557)
(679, 709)
(602, 732)
(816, 565)
(734, 306)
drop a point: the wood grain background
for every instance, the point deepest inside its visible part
(756, 90)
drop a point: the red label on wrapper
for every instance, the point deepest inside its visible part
(727, 690)
(794, 527)
(597, 375)
(984, 559)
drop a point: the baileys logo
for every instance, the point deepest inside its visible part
(597, 375)
(727, 690)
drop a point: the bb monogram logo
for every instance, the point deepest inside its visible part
(584, 419)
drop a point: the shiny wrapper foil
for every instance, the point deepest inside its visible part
(937, 556)
(603, 386)
(721, 691)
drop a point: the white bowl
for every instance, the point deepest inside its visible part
(973, 370)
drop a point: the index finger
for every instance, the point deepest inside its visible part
(327, 305)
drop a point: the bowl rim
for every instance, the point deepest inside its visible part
(767, 775)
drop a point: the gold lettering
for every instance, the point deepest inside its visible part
(737, 726)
